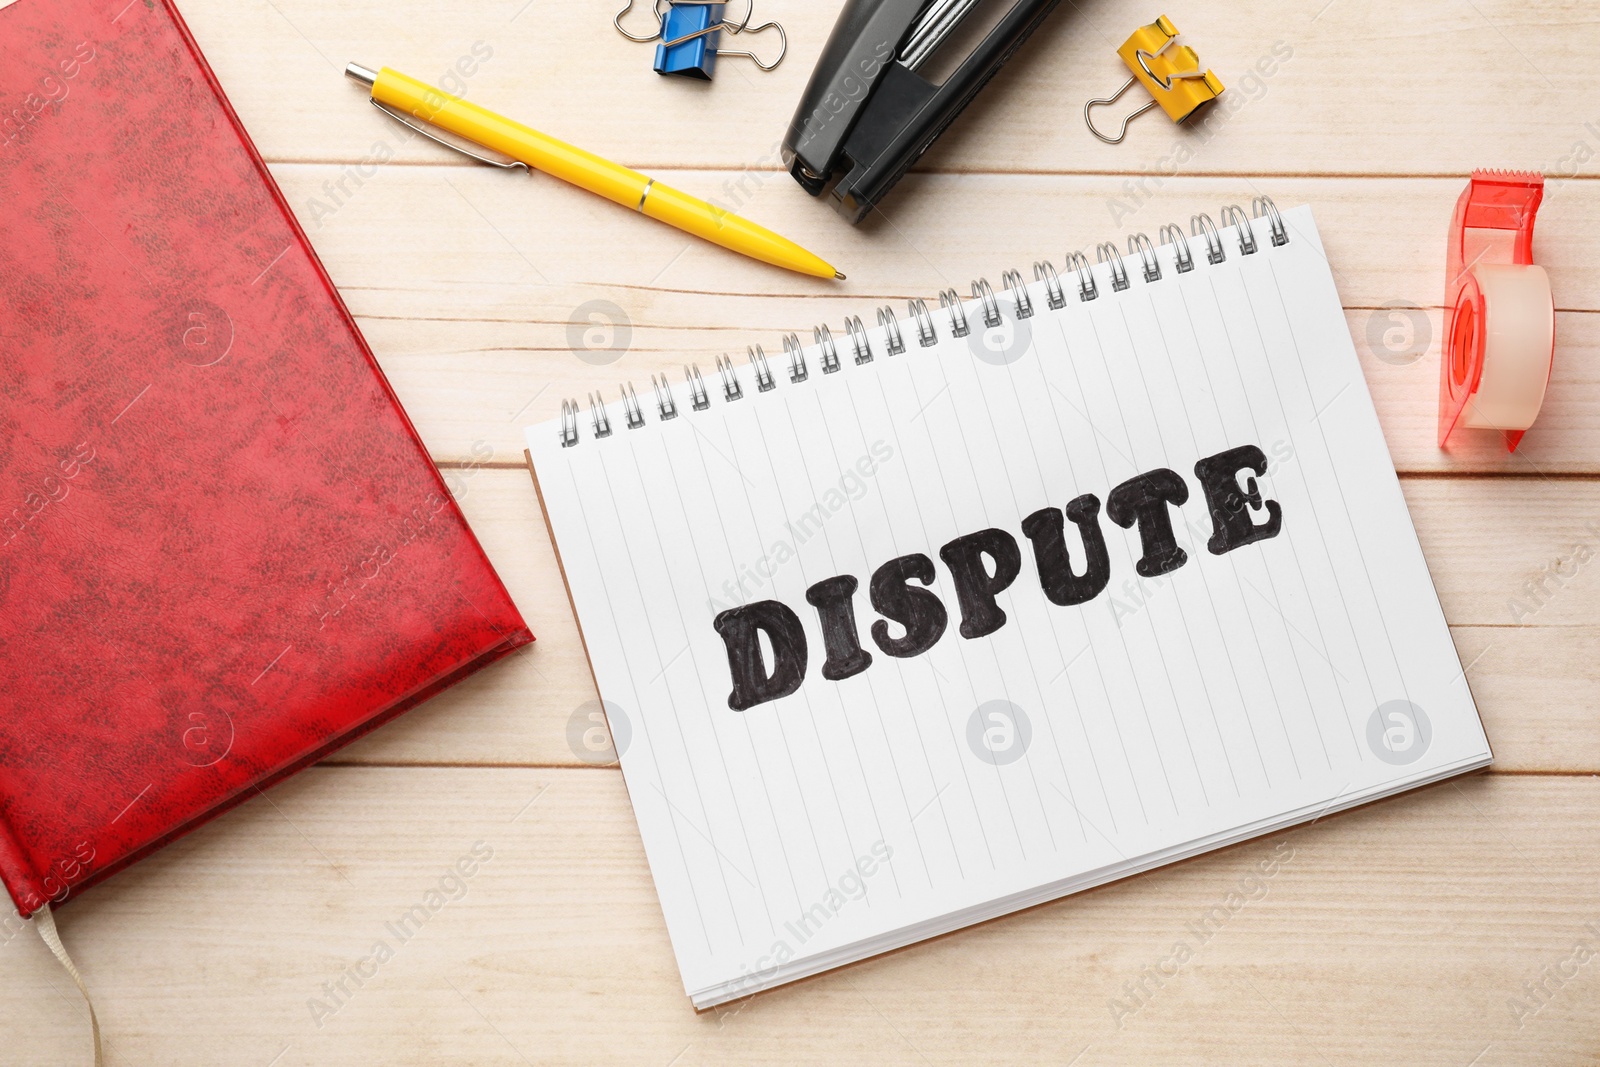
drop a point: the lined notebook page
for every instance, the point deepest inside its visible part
(1240, 691)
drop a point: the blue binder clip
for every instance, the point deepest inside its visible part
(689, 36)
(690, 31)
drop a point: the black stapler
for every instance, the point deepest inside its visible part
(867, 115)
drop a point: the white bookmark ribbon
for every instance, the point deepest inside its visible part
(46, 925)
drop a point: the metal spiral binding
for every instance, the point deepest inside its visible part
(982, 291)
(798, 372)
(891, 330)
(1233, 215)
(597, 412)
(1263, 205)
(1053, 296)
(1020, 300)
(665, 404)
(927, 336)
(1087, 289)
(1107, 253)
(765, 382)
(950, 303)
(698, 399)
(1201, 226)
(822, 337)
(569, 423)
(1173, 235)
(858, 339)
(952, 307)
(731, 389)
(630, 406)
(1140, 243)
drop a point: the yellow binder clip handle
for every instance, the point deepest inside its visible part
(1170, 73)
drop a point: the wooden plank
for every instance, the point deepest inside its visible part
(554, 951)
(475, 286)
(1486, 539)
(1531, 655)
(1450, 89)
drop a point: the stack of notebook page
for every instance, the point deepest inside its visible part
(996, 601)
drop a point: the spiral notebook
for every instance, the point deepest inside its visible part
(988, 603)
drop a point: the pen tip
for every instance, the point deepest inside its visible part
(838, 276)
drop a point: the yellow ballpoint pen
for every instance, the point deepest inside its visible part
(402, 96)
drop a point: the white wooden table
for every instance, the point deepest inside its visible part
(1407, 932)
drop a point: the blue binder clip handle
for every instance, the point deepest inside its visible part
(689, 36)
(690, 32)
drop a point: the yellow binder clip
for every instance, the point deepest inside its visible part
(1171, 74)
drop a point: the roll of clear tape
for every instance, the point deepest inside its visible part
(1505, 337)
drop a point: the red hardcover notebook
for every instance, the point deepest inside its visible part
(223, 549)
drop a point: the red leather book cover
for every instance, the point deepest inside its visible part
(224, 552)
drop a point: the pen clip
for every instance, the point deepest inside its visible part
(400, 118)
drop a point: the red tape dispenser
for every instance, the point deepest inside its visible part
(1500, 319)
